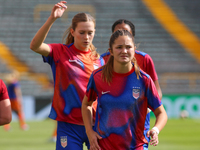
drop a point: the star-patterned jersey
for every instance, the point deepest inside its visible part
(122, 108)
(71, 70)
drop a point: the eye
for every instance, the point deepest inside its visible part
(128, 46)
(90, 33)
(118, 47)
(81, 32)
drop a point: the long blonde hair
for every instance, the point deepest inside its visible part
(68, 38)
(107, 71)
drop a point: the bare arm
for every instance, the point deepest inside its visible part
(87, 119)
(5, 112)
(161, 117)
(37, 44)
(87, 113)
(161, 120)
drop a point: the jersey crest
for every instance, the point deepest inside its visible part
(136, 93)
(63, 141)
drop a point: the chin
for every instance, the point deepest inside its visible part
(124, 62)
(86, 46)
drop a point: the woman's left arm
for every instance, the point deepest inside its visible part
(161, 120)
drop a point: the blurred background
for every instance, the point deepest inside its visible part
(167, 30)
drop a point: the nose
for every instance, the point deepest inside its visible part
(86, 36)
(124, 50)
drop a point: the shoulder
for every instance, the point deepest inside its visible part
(140, 53)
(146, 77)
(143, 54)
(3, 87)
(2, 84)
(68, 46)
(146, 58)
(101, 60)
(105, 54)
(97, 71)
(16, 83)
(59, 45)
(144, 74)
(57, 49)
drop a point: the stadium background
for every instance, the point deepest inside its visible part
(167, 30)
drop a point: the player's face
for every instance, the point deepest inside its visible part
(123, 26)
(83, 35)
(123, 50)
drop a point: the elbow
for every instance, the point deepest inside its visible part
(32, 46)
(6, 120)
(9, 119)
(166, 116)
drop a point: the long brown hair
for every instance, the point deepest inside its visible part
(107, 71)
(68, 38)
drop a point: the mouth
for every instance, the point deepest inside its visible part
(123, 56)
(86, 43)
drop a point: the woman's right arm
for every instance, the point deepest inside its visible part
(5, 112)
(37, 44)
(87, 119)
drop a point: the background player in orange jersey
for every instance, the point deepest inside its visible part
(15, 94)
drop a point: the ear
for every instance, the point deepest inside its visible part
(111, 53)
(72, 31)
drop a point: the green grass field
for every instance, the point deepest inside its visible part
(178, 134)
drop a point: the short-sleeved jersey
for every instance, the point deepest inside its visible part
(11, 90)
(71, 70)
(3, 91)
(122, 108)
(144, 61)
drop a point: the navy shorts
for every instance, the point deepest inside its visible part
(70, 136)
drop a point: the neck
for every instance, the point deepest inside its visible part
(122, 68)
(85, 49)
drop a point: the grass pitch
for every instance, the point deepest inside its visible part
(178, 134)
(36, 138)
